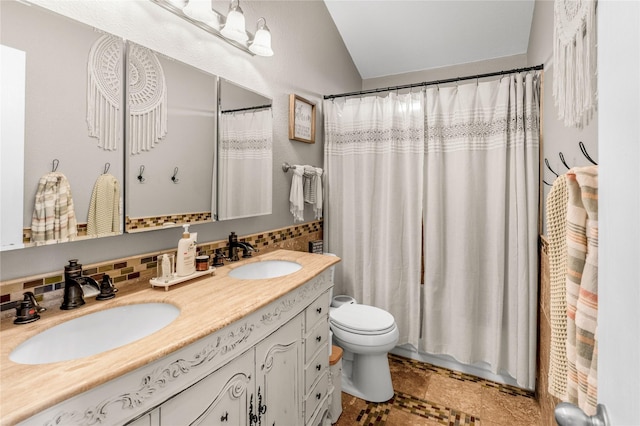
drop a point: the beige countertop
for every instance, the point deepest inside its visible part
(206, 305)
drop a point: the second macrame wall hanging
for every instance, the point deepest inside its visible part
(575, 60)
(147, 95)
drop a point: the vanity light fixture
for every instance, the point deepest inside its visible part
(234, 28)
(230, 28)
(201, 10)
(261, 44)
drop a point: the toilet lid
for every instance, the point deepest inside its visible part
(362, 319)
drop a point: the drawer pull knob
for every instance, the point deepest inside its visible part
(319, 310)
(318, 367)
(319, 338)
(225, 417)
(318, 395)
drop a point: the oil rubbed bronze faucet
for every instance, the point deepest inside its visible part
(73, 282)
(234, 245)
(28, 309)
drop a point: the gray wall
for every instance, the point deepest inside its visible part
(310, 60)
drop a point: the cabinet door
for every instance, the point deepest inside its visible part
(151, 418)
(219, 399)
(279, 376)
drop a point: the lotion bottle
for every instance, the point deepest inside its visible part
(186, 257)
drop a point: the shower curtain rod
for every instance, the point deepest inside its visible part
(431, 83)
(245, 109)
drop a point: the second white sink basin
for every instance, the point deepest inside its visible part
(95, 333)
(265, 269)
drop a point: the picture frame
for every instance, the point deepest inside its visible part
(302, 119)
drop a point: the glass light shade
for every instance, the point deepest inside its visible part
(261, 44)
(200, 10)
(234, 27)
(180, 4)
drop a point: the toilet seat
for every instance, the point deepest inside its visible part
(362, 319)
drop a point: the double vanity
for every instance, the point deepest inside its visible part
(247, 346)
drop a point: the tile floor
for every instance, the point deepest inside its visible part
(429, 395)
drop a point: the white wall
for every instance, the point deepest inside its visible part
(310, 60)
(619, 196)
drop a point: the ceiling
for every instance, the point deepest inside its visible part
(386, 37)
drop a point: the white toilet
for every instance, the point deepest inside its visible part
(366, 334)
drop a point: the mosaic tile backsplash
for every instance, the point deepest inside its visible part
(49, 288)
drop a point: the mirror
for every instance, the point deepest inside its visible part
(55, 129)
(171, 142)
(245, 154)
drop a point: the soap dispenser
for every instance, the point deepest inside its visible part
(186, 256)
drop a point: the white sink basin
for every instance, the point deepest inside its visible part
(95, 333)
(265, 269)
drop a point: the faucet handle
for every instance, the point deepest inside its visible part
(107, 289)
(28, 309)
(218, 258)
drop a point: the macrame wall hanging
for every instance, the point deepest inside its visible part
(147, 99)
(574, 57)
(147, 95)
(104, 92)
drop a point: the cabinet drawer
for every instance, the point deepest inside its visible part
(320, 414)
(316, 367)
(317, 310)
(316, 338)
(316, 396)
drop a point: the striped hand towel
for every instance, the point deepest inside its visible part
(54, 217)
(582, 287)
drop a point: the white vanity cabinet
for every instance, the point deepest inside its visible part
(258, 387)
(270, 367)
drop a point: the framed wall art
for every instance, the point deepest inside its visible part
(302, 119)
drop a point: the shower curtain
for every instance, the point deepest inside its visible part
(481, 224)
(374, 154)
(246, 150)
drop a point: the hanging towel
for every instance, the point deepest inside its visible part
(296, 196)
(54, 218)
(582, 287)
(557, 236)
(310, 184)
(104, 208)
(317, 206)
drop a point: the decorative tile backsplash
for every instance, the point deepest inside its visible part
(48, 288)
(136, 223)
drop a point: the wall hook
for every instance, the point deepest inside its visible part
(107, 166)
(140, 178)
(585, 153)
(549, 167)
(174, 179)
(56, 163)
(564, 162)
